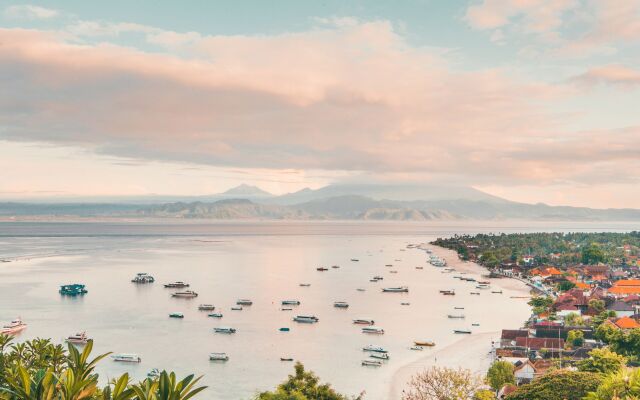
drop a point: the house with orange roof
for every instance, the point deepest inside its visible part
(626, 323)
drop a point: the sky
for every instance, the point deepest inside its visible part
(531, 100)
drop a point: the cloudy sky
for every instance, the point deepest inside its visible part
(532, 100)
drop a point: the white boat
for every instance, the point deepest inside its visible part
(78, 338)
(373, 330)
(341, 304)
(176, 285)
(124, 357)
(290, 302)
(375, 349)
(380, 356)
(363, 321)
(218, 357)
(143, 277)
(15, 326)
(224, 330)
(187, 294)
(371, 363)
(418, 348)
(244, 302)
(396, 289)
(206, 307)
(307, 319)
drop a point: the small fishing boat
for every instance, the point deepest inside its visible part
(378, 278)
(418, 348)
(305, 284)
(74, 289)
(322, 269)
(401, 289)
(176, 285)
(388, 265)
(306, 319)
(236, 308)
(224, 330)
(244, 302)
(405, 304)
(14, 327)
(464, 331)
(423, 268)
(290, 302)
(218, 357)
(455, 316)
(379, 356)
(375, 349)
(125, 357)
(393, 272)
(363, 321)
(335, 266)
(341, 304)
(484, 282)
(215, 315)
(423, 343)
(143, 277)
(286, 359)
(355, 260)
(448, 292)
(476, 293)
(371, 363)
(483, 287)
(284, 329)
(79, 338)
(187, 294)
(475, 324)
(206, 307)
(286, 309)
(458, 308)
(373, 330)
(361, 289)
(497, 291)
(176, 315)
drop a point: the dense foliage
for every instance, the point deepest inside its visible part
(499, 374)
(558, 385)
(604, 361)
(40, 370)
(441, 383)
(625, 384)
(568, 248)
(623, 342)
(302, 385)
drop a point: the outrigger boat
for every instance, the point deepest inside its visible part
(176, 315)
(401, 289)
(476, 293)
(176, 285)
(363, 321)
(290, 302)
(373, 330)
(371, 363)
(375, 349)
(423, 343)
(419, 348)
(341, 304)
(322, 269)
(206, 307)
(455, 316)
(285, 329)
(236, 308)
(448, 292)
(380, 356)
(335, 266)
(224, 330)
(218, 357)
(131, 358)
(355, 260)
(286, 359)
(13, 327)
(458, 308)
(305, 284)
(466, 331)
(497, 291)
(215, 315)
(187, 294)
(79, 338)
(244, 302)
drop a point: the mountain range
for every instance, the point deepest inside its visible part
(333, 202)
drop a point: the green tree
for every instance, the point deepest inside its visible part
(499, 374)
(597, 305)
(575, 338)
(592, 254)
(484, 394)
(624, 384)
(558, 385)
(573, 319)
(602, 360)
(565, 285)
(302, 385)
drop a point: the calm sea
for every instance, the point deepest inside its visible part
(262, 261)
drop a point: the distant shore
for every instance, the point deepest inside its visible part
(471, 352)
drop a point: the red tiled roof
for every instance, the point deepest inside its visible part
(540, 343)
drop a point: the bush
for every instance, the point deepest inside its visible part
(558, 385)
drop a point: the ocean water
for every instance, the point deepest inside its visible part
(264, 262)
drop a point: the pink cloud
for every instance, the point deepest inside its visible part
(610, 74)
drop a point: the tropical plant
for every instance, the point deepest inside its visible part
(602, 360)
(624, 384)
(499, 374)
(441, 383)
(302, 385)
(558, 385)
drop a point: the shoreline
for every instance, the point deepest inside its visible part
(471, 352)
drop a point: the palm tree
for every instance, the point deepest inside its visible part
(167, 387)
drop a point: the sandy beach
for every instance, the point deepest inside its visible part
(470, 352)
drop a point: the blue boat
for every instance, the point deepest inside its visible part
(284, 329)
(75, 289)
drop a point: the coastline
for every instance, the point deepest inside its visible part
(471, 352)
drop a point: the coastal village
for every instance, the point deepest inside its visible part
(585, 298)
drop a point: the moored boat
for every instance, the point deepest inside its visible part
(371, 363)
(363, 321)
(401, 289)
(126, 357)
(308, 319)
(355, 260)
(78, 338)
(419, 348)
(75, 289)
(380, 356)
(376, 349)
(285, 329)
(143, 277)
(341, 304)
(305, 284)
(244, 302)
(176, 285)
(467, 331)
(322, 269)
(236, 308)
(497, 291)
(176, 315)
(206, 307)
(187, 294)
(224, 329)
(14, 327)
(448, 292)
(423, 343)
(476, 293)
(218, 357)
(290, 302)
(455, 316)
(373, 330)
(215, 315)
(286, 359)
